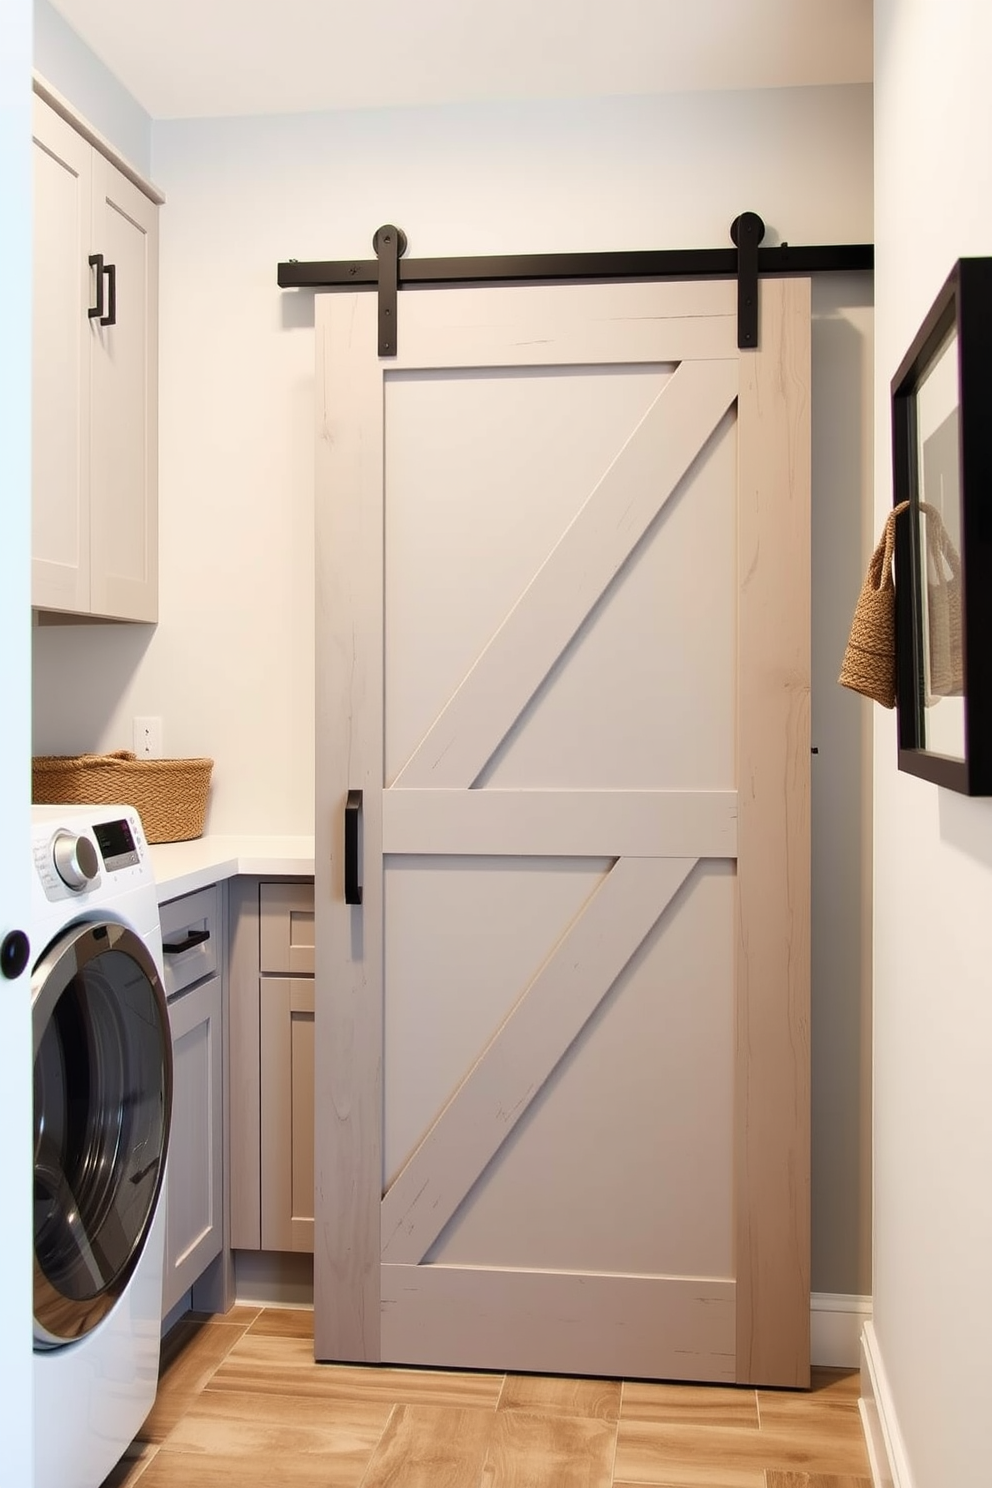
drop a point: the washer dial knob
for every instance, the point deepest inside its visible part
(75, 859)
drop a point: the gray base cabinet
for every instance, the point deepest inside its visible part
(192, 928)
(286, 1093)
(272, 1126)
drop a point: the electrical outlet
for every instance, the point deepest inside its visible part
(148, 738)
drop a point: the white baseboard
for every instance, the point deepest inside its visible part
(836, 1322)
(886, 1451)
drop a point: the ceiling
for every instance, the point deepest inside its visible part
(200, 58)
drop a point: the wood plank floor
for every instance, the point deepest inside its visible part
(241, 1402)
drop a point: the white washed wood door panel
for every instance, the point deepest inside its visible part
(538, 557)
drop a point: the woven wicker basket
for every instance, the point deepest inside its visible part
(170, 795)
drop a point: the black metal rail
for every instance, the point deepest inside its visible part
(391, 272)
(669, 263)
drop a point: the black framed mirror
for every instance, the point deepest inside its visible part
(942, 467)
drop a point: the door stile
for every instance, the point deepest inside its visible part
(348, 939)
(772, 1094)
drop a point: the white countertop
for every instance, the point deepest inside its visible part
(181, 867)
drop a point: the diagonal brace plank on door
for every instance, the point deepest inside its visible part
(574, 576)
(524, 1051)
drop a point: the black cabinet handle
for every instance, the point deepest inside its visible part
(97, 311)
(352, 817)
(96, 262)
(193, 938)
(111, 316)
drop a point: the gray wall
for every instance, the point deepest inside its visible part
(841, 805)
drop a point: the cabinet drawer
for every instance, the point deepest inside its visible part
(190, 938)
(286, 928)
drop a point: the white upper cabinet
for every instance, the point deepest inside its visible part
(95, 387)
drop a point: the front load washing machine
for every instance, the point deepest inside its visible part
(102, 1107)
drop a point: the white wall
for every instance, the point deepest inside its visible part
(15, 996)
(933, 849)
(68, 64)
(229, 668)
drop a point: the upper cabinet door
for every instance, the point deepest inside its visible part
(124, 449)
(60, 391)
(95, 382)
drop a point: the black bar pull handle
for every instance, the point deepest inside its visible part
(193, 938)
(96, 262)
(111, 316)
(106, 316)
(352, 818)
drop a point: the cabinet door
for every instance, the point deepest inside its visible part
(286, 1077)
(60, 413)
(285, 932)
(124, 454)
(194, 1176)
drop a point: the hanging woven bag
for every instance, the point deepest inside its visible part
(870, 658)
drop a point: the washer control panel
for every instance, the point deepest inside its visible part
(117, 845)
(69, 858)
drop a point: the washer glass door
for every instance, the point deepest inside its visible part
(102, 1105)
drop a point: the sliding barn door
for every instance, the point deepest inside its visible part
(563, 652)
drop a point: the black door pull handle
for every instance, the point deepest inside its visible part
(96, 262)
(193, 938)
(111, 316)
(352, 818)
(106, 316)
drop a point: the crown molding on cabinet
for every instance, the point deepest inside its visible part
(62, 106)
